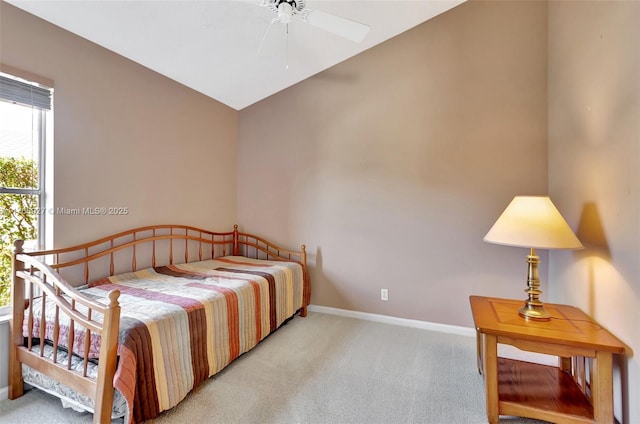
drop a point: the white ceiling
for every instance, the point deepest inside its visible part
(212, 45)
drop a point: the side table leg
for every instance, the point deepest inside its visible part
(602, 388)
(490, 356)
(479, 351)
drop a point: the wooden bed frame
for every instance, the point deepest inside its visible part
(44, 274)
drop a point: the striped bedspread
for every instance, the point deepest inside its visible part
(181, 324)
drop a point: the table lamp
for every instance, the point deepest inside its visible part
(535, 223)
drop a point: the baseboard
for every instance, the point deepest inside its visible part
(505, 351)
(4, 393)
(404, 322)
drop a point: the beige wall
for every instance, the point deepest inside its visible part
(594, 169)
(125, 136)
(393, 165)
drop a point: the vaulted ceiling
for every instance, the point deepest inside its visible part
(212, 45)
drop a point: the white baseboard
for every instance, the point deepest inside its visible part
(505, 351)
(4, 393)
(404, 322)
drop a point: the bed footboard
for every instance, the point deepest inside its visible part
(58, 308)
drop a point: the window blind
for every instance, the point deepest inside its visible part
(16, 91)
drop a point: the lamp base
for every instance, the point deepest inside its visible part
(533, 308)
(534, 312)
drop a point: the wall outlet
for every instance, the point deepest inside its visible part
(384, 294)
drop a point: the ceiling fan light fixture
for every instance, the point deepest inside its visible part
(285, 11)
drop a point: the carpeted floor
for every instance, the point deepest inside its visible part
(323, 369)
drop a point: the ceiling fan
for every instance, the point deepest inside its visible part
(285, 10)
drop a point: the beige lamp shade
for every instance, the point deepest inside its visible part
(533, 222)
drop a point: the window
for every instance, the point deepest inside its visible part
(25, 110)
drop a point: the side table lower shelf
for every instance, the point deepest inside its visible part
(540, 391)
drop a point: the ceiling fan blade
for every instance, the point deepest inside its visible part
(274, 39)
(352, 30)
(264, 37)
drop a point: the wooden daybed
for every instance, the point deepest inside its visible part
(151, 312)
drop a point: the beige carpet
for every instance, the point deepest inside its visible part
(323, 369)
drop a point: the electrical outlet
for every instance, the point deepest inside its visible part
(384, 294)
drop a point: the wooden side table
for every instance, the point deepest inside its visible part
(579, 390)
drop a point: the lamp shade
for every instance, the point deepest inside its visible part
(533, 222)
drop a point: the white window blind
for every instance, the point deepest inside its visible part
(24, 93)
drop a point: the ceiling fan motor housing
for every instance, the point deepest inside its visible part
(295, 4)
(285, 9)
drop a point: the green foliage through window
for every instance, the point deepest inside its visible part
(18, 214)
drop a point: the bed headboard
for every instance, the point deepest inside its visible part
(156, 245)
